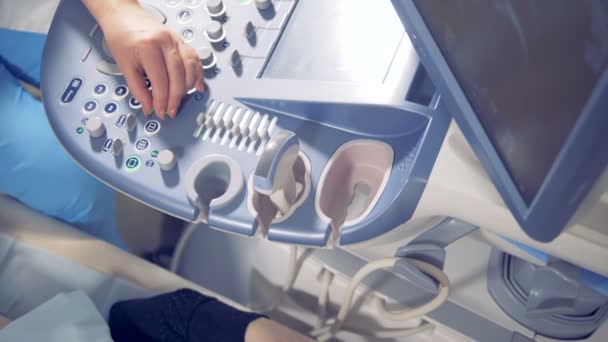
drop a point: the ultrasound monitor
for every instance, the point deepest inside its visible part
(527, 83)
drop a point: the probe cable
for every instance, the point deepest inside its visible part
(324, 333)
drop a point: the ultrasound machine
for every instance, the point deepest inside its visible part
(461, 144)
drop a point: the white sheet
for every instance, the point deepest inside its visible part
(27, 15)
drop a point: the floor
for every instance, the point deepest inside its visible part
(146, 231)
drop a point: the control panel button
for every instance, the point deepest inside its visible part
(193, 3)
(121, 121)
(207, 57)
(96, 127)
(100, 89)
(184, 16)
(89, 107)
(152, 127)
(263, 4)
(132, 163)
(215, 32)
(71, 90)
(133, 103)
(130, 122)
(188, 34)
(173, 3)
(110, 108)
(121, 91)
(142, 144)
(166, 160)
(117, 147)
(107, 145)
(215, 7)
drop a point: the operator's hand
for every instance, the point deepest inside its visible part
(142, 46)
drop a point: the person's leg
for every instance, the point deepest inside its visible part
(188, 316)
(36, 170)
(21, 53)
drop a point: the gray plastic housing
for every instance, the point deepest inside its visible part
(550, 300)
(323, 114)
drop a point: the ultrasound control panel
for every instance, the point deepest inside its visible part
(259, 151)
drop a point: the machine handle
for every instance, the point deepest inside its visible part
(274, 174)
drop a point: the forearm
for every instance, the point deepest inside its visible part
(102, 9)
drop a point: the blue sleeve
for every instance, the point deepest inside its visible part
(21, 53)
(35, 169)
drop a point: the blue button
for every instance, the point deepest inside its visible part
(107, 145)
(152, 126)
(121, 91)
(121, 121)
(100, 89)
(134, 103)
(71, 90)
(150, 163)
(110, 108)
(142, 144)
(90, 106)
(132, 163)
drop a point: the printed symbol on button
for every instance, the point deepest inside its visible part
(198, 96)
(121, 91)
(142, 144)
(132, 164)
(90, 106)
(134, 103)
(79, 130)
(110, 108)
(152, 127)
(121, 121)
(107, 145)
(76, 82)
(100, 89)
(154, 154)
(150, 163)
(84, 121)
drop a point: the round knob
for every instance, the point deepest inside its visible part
(207, 57)
(215, 7)
(166, 160)
(215, 31)
(96, 127)
(263, 4)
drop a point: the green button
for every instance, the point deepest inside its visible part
(132, 163)
(79, 130)
(154, 154)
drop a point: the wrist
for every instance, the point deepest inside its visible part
(104, 11)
